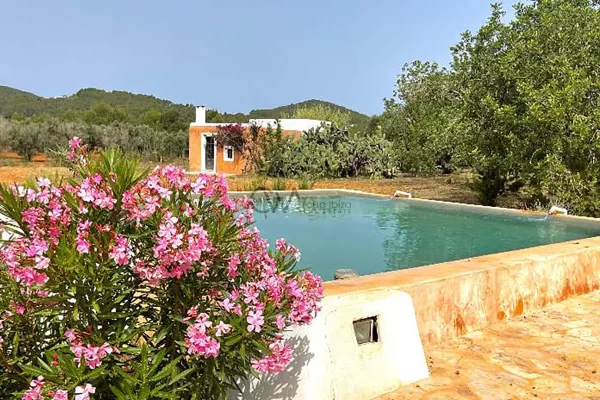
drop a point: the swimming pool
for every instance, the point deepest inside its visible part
(372, 235)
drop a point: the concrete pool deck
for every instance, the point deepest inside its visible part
(553, 353)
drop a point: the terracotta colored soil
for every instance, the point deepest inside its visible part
(550, 354)
(22, 173)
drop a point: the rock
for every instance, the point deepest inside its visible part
(345, 273)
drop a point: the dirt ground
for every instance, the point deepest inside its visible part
(449, 188)
(453, 188)
(22, 173)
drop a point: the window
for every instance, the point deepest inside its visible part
(228, 153)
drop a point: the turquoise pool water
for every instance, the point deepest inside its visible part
(374, 235)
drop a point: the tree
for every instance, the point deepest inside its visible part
(151, 118)
(27, 139)
(531, 91)
(104, 114)
(422, 119)
(322, 112)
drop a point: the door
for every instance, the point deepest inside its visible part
(209, 153)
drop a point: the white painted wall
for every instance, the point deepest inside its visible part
(290, 124)
(328, 363)
(200, 115)
(286, 124)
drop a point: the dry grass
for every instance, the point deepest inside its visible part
(448, 188)
(453, 188)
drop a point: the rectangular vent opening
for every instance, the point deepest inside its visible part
(366, 330)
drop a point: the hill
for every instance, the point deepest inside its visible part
(138, 108)
(16, 101)
(285, 111)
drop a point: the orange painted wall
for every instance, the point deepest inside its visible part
(226, 167)
(229, 167)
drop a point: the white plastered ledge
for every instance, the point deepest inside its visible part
(328, 362)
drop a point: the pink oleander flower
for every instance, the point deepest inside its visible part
(281, 355)
(35, 389)
(120, 251)
(75, 143)
(18, 308)
(83, 392)
(199, 342)
(255, 321)
(222, 329)
(61, 395)
(280, 321)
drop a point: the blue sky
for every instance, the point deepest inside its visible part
(230, 55)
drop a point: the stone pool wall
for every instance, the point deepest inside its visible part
(458, 297)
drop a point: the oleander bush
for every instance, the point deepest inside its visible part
(137, 285)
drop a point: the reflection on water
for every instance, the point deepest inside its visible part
(373, 235)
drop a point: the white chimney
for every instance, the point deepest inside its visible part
(200, 115)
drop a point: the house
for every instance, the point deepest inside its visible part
(209, 156)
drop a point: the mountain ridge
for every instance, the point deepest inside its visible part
(16, 101)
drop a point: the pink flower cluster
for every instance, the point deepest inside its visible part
(179, 245)
(199, 340)
(120, 251)
(281, 355)
(37, 391)
(26, 257)
(96, 192)
(75, 148)
(82, 243)
(92, 355)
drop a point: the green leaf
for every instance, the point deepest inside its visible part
(182, 375)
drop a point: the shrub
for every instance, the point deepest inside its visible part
(305, 183)
(329, 152)
(140, 285)
(279, 184)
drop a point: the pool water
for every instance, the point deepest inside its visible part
(373, 235)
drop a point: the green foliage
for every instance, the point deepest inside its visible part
(338, 116)
(28, 138)
(105, 107)
(530, 90)
(329, 152)
(278, 184)
(25, 139)
(104, 114)
(305, 183)
(257, 183)
(422, 119)
(290, 110)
